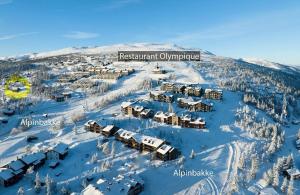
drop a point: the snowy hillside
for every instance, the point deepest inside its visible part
(248, 145)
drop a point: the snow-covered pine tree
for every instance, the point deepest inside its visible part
(21, 191)
(192, 155)
(290, 190)
(37, 183)
(284, 185)
(275, 182)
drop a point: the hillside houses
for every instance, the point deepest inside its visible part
(122, 184)
(58, 152)
(215, 94)
(192, 105)
(92, 126)
(146, 143)
(8, 177)
(13, 171)
(161, 96)
(35, 160)
(17, 166)
(166, 152)
(192, 90)
(183, 121)
(105, 73)
(109, 130)
(158, 70)
(136, 109)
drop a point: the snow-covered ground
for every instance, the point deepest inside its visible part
(217, 148)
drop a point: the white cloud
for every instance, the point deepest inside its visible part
(13, 36)
(81, 35)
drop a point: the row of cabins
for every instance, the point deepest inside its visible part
(61, 97)
(161, 96)
(192, 105)
(183, 121)
(192, 90)
(141, 142)
(94, 127)
(122, 184)
(135, 140)
(15, 170)
(105, 73)
(136, 109)
(186, 103)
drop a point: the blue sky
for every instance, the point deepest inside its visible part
(267, 29)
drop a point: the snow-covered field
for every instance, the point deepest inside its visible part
(217, 149)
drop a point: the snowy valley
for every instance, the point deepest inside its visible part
(99, 126)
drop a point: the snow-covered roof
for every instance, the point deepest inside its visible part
(164, 149)
(31, 158)
(108, 128)
(198, 121)
(213, 90)
(293, 171)
(160, 114)
(61, 148)
(116, 185)
(6, 174)
(125, 133)
(16, 165)
(186, 117)
(138, 108)
(268, 191)
(146, 111)
(152, 141)
(90, 122)
(91, 190)
(126, 104)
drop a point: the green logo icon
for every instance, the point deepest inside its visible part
(17, 87)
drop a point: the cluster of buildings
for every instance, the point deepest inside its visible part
(192, 90)
(183, 121)
(135, 140)
(142, 142)
(61, 97)
(162, 96)
(190, 104)
(135, 109)
(106, 73)
(122, 184)
(13, 171)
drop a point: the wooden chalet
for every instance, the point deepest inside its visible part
(58, 97)
(109, 130)
(215, 94)
(136, 109)
(122, 184)
(193, 91)
(34, 160)
(147, 113)
(92, 126)
(58, 152)
(151, 143)
(192, 105)
(167, 152)
(198, 123)
(17, 166)
(8, 178)
(124, 136)
(161, 96)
